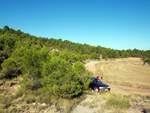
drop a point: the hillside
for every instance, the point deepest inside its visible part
(38, 74)
(25, 101)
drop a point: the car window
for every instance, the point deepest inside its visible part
(97, 81)
(100, 81)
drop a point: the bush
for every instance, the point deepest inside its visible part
(7, 51)
(83, 74)
(60, 79)
(118, 101)
(147, 61)
(50, 73)
(9, 68)
(32, 64)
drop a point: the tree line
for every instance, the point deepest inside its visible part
(85, 50)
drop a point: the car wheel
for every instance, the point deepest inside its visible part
(95, 89)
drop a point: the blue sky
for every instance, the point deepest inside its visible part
(116, 24)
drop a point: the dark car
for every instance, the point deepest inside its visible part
(98, 85)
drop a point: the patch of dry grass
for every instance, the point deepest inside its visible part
(131, 103)
(127, 72)
(103, 107)
(141, 101)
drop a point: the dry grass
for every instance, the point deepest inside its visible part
(127, 72)
(66, 106)
(141, 101)
(97, 102)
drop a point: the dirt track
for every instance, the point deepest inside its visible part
(123, 75)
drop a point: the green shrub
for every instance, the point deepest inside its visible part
(7, 50)
(32, 64)
(9, 68)
(83, 74)
(50, 73)
(147, 61)
(119, 101)
(60, 79)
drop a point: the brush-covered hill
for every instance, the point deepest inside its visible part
(46, 69)
(38, 60)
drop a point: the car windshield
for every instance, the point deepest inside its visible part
(97, 81)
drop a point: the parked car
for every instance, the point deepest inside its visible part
(98, 85)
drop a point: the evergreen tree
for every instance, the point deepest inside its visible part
(59, 78)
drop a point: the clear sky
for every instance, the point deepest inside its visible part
(116, 24)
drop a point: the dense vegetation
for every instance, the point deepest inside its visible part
(50, 65)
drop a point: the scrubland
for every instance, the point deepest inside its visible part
(122, 75)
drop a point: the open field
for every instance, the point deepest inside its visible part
(125, 72)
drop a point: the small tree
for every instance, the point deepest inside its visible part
(6, 28)
(125, 54)
(59, 78)
(83, 74)
(32, 63)
(147, 61)
(94, 56)
(9, 68)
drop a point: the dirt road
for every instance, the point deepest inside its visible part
(127, 75)
(91, 66)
